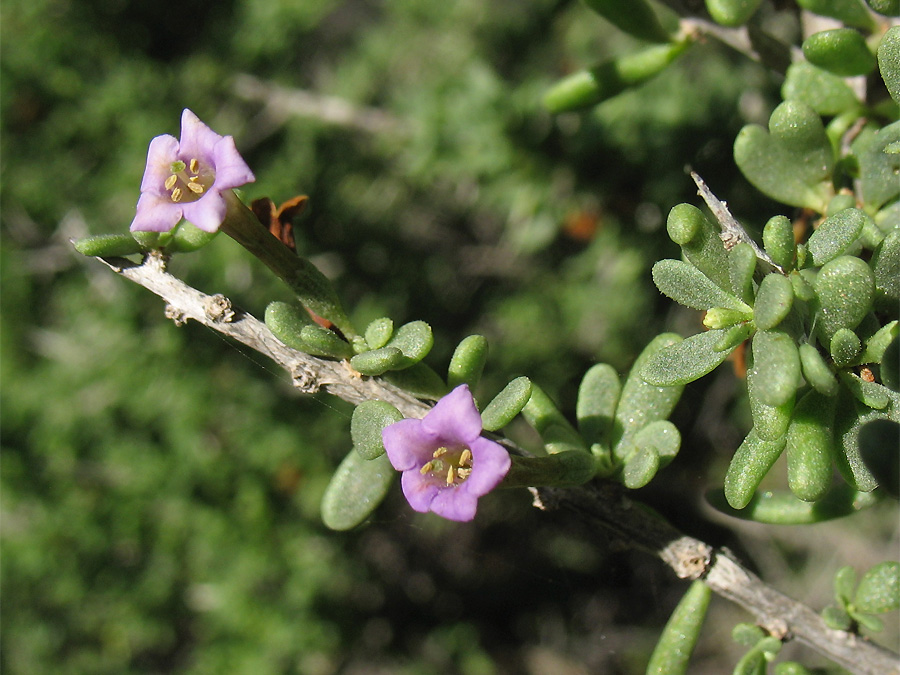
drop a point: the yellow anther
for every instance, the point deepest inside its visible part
(465, 457)
(176, 195)
(463, 473)
(194, 165)
(170, 181)
(439, 452)
(196, 188)
(428, 466)
(450, 476)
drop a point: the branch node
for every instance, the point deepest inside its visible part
(176, 314)
(218, 308)
(304, 379)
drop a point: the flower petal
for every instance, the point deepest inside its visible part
(208, 212)
(197, 139)
(155, 214)
(455, 505)
(419, 490)
(490, 464)
(231, 169)
(162, 152)
(408, 444)
(454, 419)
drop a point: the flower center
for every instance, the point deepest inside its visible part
(188, 182)
(451, 466)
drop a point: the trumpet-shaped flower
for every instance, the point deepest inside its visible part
(446, 463)
(185, 178)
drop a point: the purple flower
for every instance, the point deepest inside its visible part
(446, 463)
(185, 179)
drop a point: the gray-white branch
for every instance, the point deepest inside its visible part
(603, 504)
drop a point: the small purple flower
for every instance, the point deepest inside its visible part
(185, 179)
(446, 463)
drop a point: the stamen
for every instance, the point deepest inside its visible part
(177, 166)
(463, 473)
(194, 166)
(196, 188)
(439, 452)
(450, 476)
(170, 181)
(428, 466)
(176, 195)
(465, 457)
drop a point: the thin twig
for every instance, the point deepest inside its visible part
(601, 503)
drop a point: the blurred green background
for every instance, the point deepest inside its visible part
(160, 487)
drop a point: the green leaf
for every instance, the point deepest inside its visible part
(835, 235)
(750, 464)
(610, 78)
(879, 589)
(368, 421)
(414, 340)
(878, 169)
(640, 402)
(776, 367)
(467, 362)
(378, 361)
(679, 637)
(775, 507)
(844, 584)
(640, 467)
(752, 663)
(778, 240)
(556, 432)
(773, 301)
(844, 347)
(889, 61)
(733, 336)
(507, 404)
(870, 394)
(355, 491)
(791, 668)
(321, 341)
(420, 380)
(871, 623)
(810, 447)
(107, 245)
(878, 344)
(852, 418)
(686, 285)
(663, 437)
(685, 361)
(732, 12)
(816, 371)
(885, 265)
(880, 453)
(742, 262)
(598, 396)
(845, 289)
(636, 18)
(294, 327)
(187, 238)
(700, 242)
(837, 618)
(824, 92)
(747, 634)
(886, 7)
(850, 12)
(842, 51)
(792, 161)
(378, 332)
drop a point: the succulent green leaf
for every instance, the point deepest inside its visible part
(507, 404)
(685, 361)
(467, 362)
(733, 336)
(851, 424)
(792, 161)
(878, 344)
(640, 402)
(816, 371)
(871, 394)
(686, 285)
(868, 622)
(835, 235)
(776, 507)
(378, 332)
(321, 341)
(187, 238)
(824, 92)
(878, 169)
(747, 634)
(810, 447)
(420, 380)
(700, 242)
(368, 421)
(378, 361)
(752, 663)
(844, 347)
(837, 618)
(107, 245)
(804, 284)
(791, 668)
(598, 396)
(885, 265)
(886, 7)
(355, 491)
(776, 367)
(770, 422)
(610, 78)
(640, 468)
(635, 18)
(542, 414)
(414, 340)
(663, 437)
(844, 584)
(751, 462)
(562, 469)
(741, 268)
(845, 289)
(773, 301)
(889, 61)
(842, 51)
(850, 12)
(732, 13)
(879, 589)
(679, 637)
(880, 453)
(778, 241)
